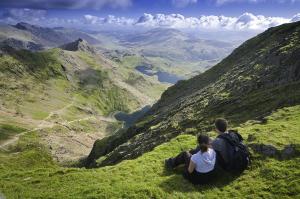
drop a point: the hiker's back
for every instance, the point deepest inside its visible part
(232, 154)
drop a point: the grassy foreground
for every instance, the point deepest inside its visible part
(29, 172)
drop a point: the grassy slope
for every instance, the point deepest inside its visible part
(146, 84)
(31, 173)
(33, 85)
(254, 80)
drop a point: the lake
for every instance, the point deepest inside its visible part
(162, 76)
(130, 118)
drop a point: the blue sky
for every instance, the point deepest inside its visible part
(203, 14)
(135, 8)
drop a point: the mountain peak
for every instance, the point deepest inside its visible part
(27, 26)
(79, 45)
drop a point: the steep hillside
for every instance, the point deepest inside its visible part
(274, 173)
(258, 77)
(69, 96)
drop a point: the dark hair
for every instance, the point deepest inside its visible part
(203, 141)
(221, 124)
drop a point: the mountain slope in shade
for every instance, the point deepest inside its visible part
(261, 75)
(19, 44)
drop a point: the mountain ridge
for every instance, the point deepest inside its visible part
(78, 45)
(257, 78)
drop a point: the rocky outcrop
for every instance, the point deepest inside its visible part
(18, 44)
(258, 77)
(79, 45)
(287, 152)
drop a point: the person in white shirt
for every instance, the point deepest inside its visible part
(204, 160)
(199, 167)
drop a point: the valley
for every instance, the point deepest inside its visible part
(71, 86)
(70, 101)
(83, 112)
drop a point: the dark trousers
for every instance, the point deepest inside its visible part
(195, 177)
(184, 157)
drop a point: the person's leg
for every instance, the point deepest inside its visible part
(181, 158)
(199, 178)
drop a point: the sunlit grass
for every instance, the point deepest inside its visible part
(31, 173)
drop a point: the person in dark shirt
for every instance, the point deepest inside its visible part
(218, 144)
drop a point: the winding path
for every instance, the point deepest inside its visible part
(46, 124)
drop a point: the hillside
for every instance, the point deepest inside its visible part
(258, 77)
(68, 96)
(161, 43)
(168, 50)
(29, 172)
(43, 37)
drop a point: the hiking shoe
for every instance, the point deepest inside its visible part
(169, 163)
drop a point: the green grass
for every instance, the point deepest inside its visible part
(32, 85)
(7, 131)
(31, 173)
(89, 59)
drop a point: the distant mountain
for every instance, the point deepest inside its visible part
(153, 36)
(33, 37)
(74, 34)
(80, 45)
(173, 50)
(45, 36)
(166, 49)
(260, 76)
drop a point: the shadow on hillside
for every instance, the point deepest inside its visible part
(177, 183)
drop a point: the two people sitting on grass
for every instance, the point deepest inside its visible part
(226, 152)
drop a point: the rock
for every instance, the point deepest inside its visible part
(79, 45)
(19, 44)
(267, 150)
(288, 152)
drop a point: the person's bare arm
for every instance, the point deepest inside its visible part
(192, 166)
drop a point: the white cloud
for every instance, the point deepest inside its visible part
(296, 18)
(24, 14)
(246, 21)
(109, 20)
(183, 3)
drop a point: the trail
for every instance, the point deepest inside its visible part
(46, 124)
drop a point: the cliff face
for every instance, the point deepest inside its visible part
(261, 75)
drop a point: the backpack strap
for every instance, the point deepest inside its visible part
(237, 134)
(228, 139)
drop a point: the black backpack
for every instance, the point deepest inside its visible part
(238, 153)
